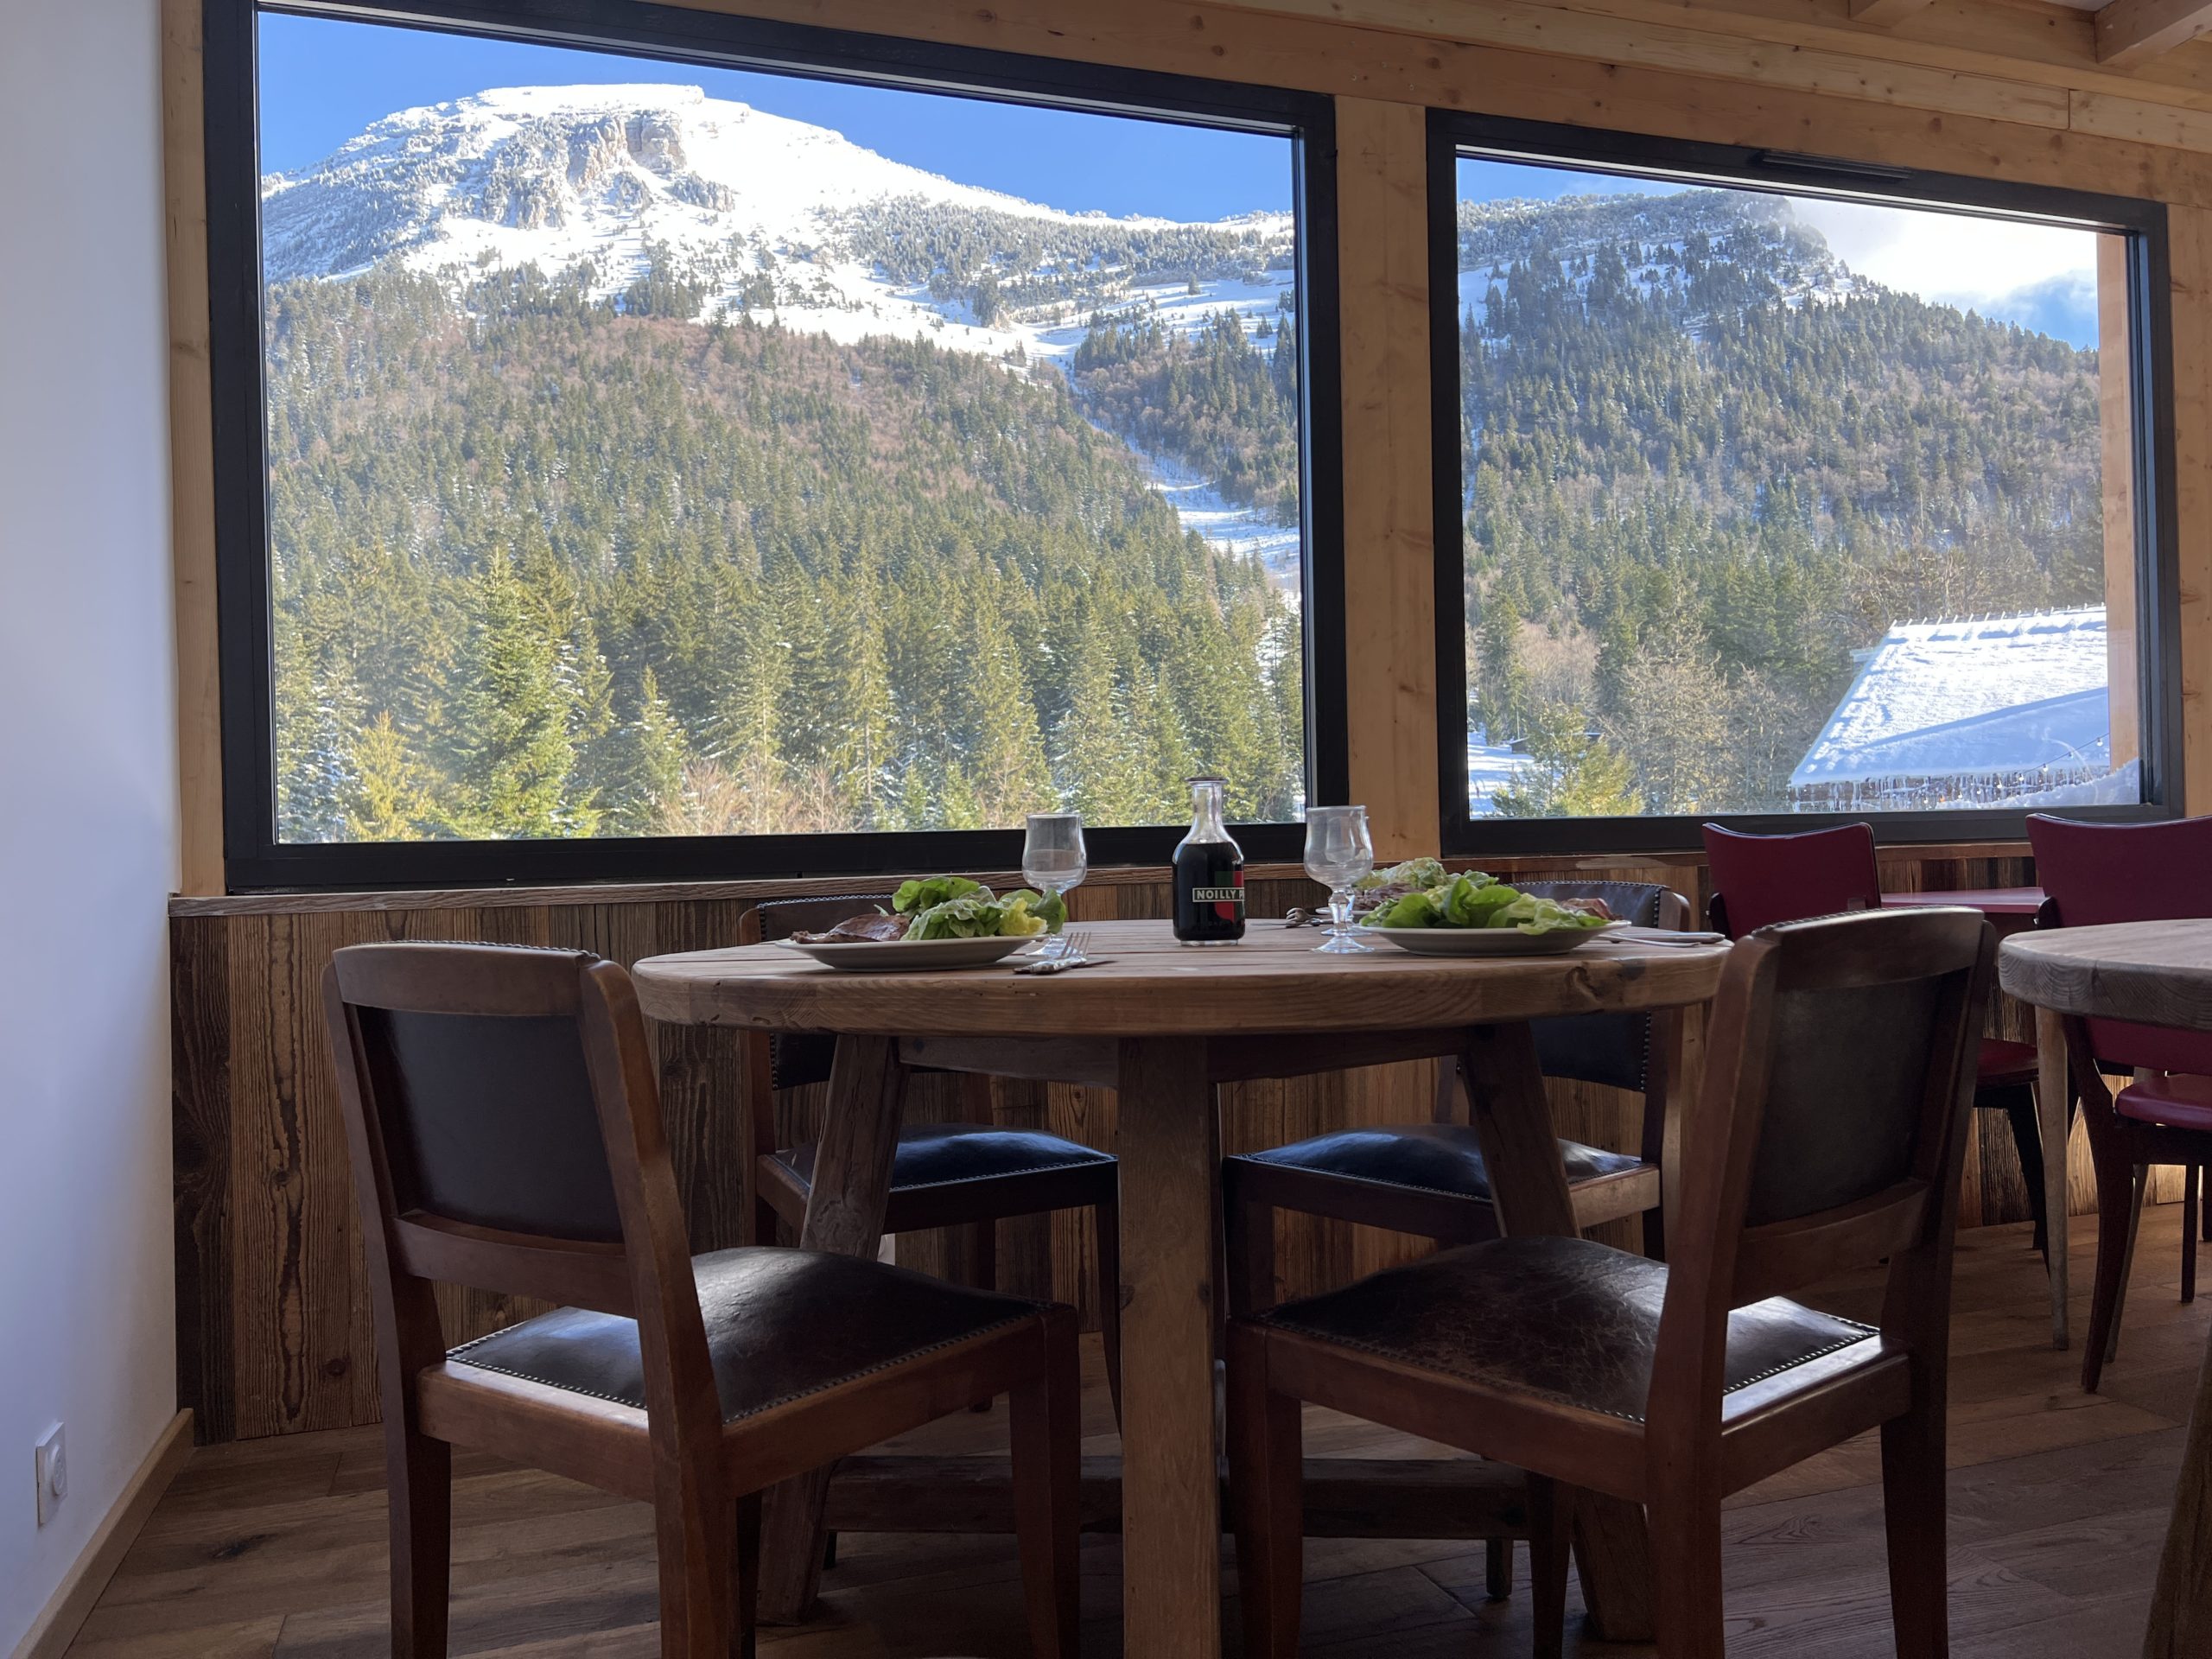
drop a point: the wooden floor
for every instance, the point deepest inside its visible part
(2057, 1501)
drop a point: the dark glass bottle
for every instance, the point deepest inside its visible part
(1209, 873)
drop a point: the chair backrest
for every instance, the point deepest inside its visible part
(501, 1107)
(1830, 1128)
(1758, 881)
(1611, 1049)
(792, 1059)
(2095, 874)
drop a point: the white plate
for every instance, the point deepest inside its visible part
(911, 955)
(1484, 941)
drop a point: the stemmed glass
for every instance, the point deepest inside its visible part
(1339, 851)
(1053, 861)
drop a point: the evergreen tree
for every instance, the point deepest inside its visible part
(388, 800)
(516, 754)
(1571, 773)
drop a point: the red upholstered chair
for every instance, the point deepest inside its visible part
(2092, 874)
(1758, 881)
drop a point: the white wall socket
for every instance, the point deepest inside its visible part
(50, 1458)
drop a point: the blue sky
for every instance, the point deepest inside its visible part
(2043, 278)
(323, 80)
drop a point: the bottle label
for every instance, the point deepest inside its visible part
(1218, 896)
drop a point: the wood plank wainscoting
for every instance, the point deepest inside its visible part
(273, 1320)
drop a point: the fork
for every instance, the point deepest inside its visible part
(1074, 947)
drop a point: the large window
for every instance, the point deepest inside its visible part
(697, 448)
(1775, 487)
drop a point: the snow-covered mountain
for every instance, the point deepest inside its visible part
(709, 208)
(1704, 247)
(756, 211)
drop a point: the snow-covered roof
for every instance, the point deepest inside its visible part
(1982, 696)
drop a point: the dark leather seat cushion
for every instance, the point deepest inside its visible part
(1431, 1157)
(1566, 1320)
(780, 1324)
(942, 1155)
(2000, 1061)
(2181, 1102)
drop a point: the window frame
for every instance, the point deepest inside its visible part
(1452, 134)
(255, 860)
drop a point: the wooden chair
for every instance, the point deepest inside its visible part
(1430, 1179)
(1761, 879)
(2092, 874)
(505, 1132)
(1828, 1134)
(970, 1175)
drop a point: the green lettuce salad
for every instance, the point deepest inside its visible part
(954, 907)
(1475, 900)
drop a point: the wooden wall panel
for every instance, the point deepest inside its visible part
(2191, 235)
(1389, 526)
(273, 1322)
(192, 454)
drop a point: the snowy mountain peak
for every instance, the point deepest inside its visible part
(559, 174)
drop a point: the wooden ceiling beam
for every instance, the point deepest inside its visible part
(1885, 12)
(2130, 32)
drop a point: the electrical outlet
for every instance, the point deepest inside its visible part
(50, 1459)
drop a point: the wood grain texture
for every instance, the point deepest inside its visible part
(1389, 533)
(2181, 1604)
(2040, 44)
(1170, 1504)
(2130, 32)
(192, 454)
(2151, 973)
(1883, 13)
(2189, 231)
(1146, 985)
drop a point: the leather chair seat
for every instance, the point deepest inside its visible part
(780, 1324)
(1427, 1157)
(2001, 1062)
(2181, 1102)
(944, 1155)
(1564, 1319)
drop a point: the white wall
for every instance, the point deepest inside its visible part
(87, 772)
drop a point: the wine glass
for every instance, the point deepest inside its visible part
(1053, 861)
(1339, 851)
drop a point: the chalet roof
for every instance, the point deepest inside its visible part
(1972, 698)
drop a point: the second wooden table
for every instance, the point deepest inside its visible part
(1165, 1026)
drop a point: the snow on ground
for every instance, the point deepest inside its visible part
(1242, 532)
(1490, 767)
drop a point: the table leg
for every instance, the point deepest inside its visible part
(859, 1133)
(2052, 1088)
(1168, 1141)
(2181, 1607)
(1513, 1119)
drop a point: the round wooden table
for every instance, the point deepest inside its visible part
(1163, 1026)
(2154, 974)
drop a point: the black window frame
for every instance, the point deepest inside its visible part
(1452, 134)
(256, 860)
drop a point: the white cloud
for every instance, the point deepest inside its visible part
(1998, 267)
